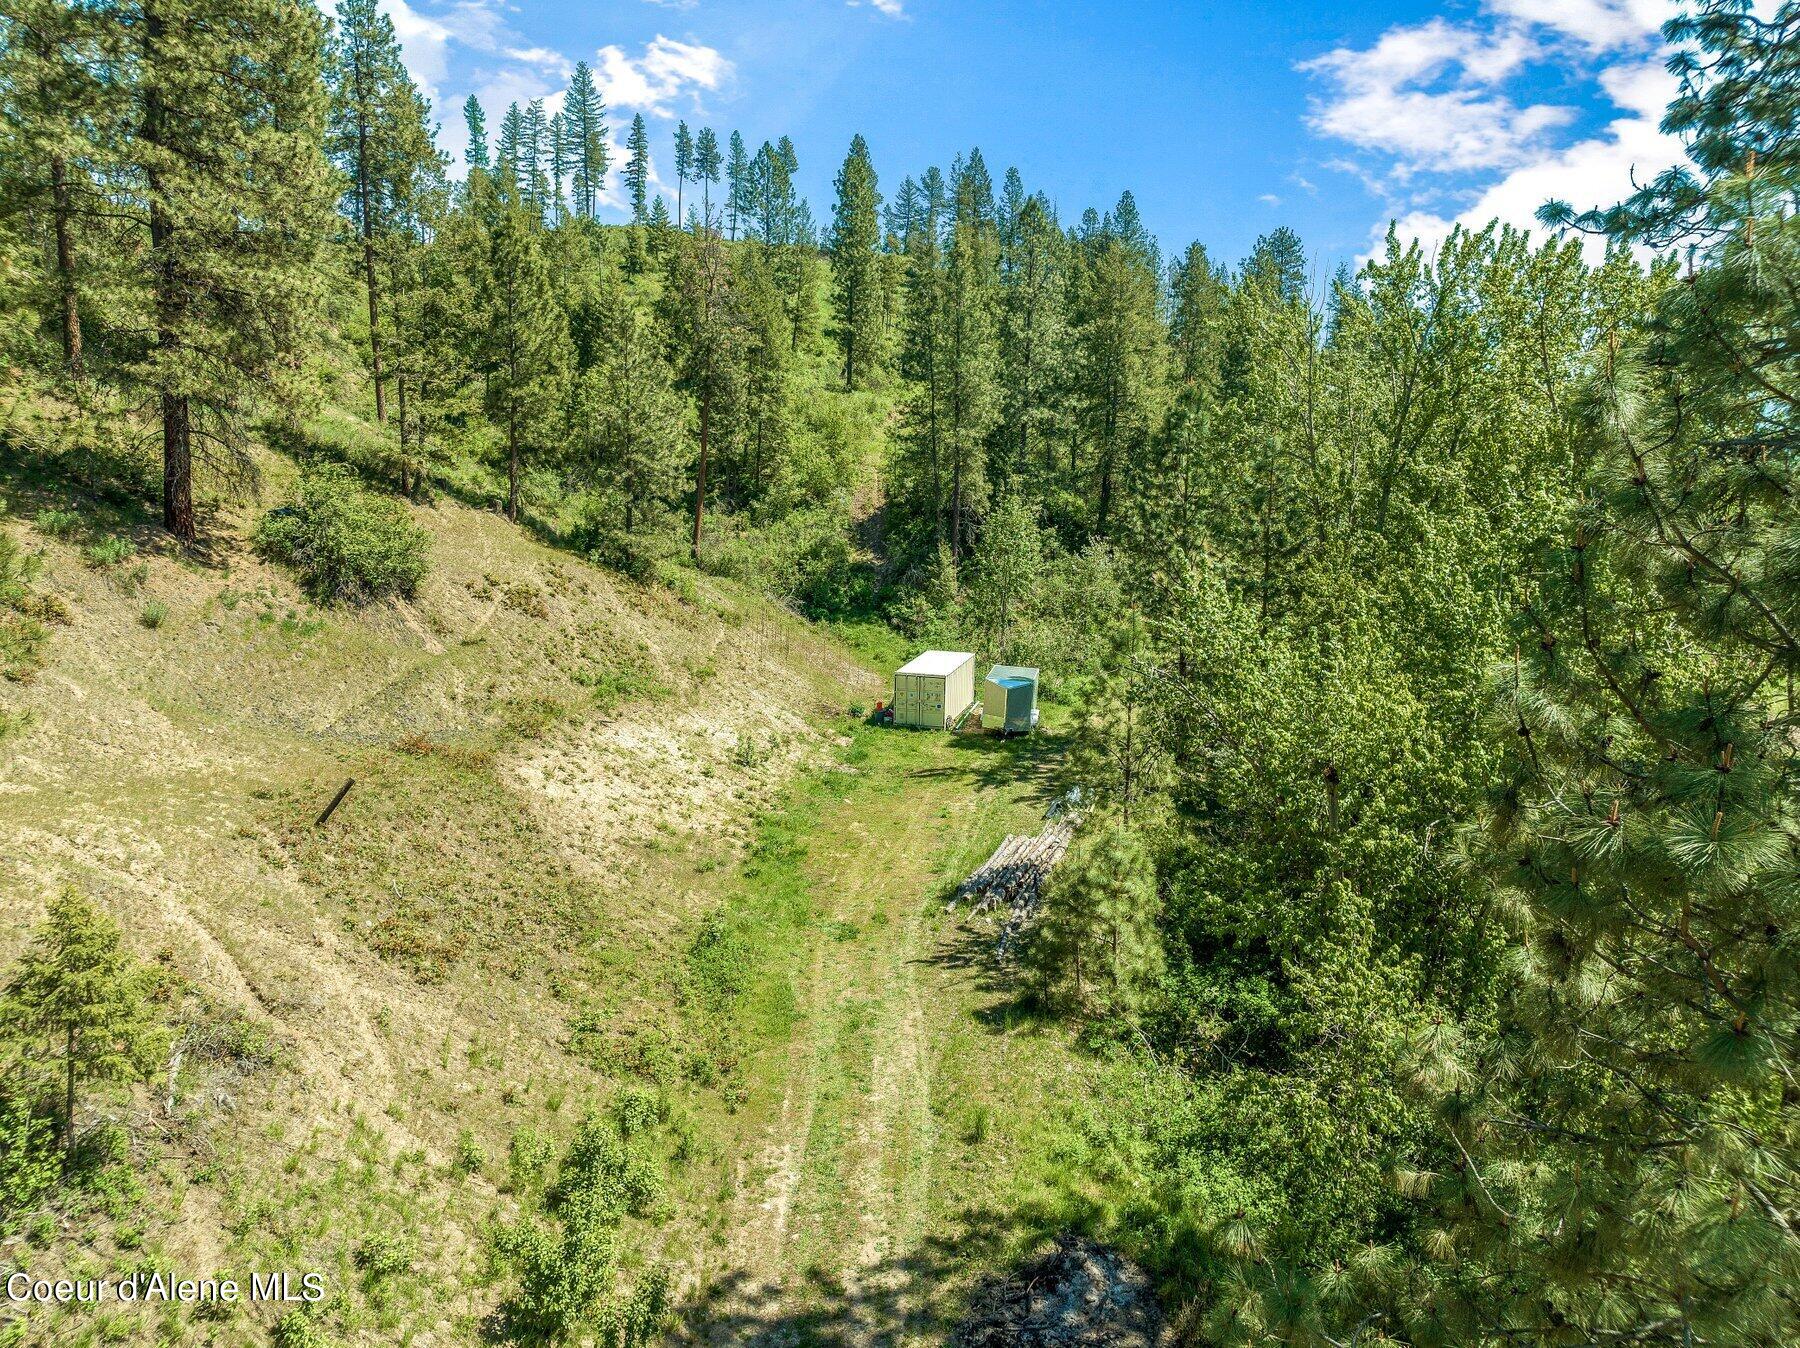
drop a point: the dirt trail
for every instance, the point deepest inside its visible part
(837, 1195)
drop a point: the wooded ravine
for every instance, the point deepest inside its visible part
(1409, 949)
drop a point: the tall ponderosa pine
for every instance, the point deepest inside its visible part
(971, 347)
(525, 344)
(232, 266)
(630, 435)
(475, 120)
(698, 313)
(684, 162)
(637, 169)
(707, 164)
(380, 139)
(60, 129)
(1628, 1145)
(584, 122)
(737, 185)
(855, 267)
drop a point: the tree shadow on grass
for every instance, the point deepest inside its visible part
(918, 1295)
(95, 491)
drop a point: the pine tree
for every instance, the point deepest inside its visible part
(534, 157)
(476, 156)
(684, 161)
(525, 344)
(1279, 259)
(60, 129)
(509, 151)
(1118, 354)
(707, 164)
(855, 267)
(1625, 1147)
(232, 263)
(1094, 944)
(380, 138)
(637, 169)
(86, 1000)
(764, 352)
(737, 185)
(631, 429)
(697, 312)
(1034, 338)
(584, 116)
(971, 346)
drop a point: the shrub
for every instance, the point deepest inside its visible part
(383, 1256)
(29, 1161)
(153, 613)
(24, 614)
(109, 552)
(345, 543)
(297, 1330)
(57, 523)
(470, 1158)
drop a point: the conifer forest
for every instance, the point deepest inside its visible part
(460, 884)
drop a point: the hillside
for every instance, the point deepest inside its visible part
(561, 776)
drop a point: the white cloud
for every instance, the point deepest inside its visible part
(424, 45)
(1442, 140)
(1269, 199)
(1425, 94)
(1599, 25)
(663, 73)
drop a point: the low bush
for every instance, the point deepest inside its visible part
(347, 544)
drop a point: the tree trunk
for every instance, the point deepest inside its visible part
(374, 324)
(700, 475)
(65, 266)
(512, 466)
(178, 447)
(406, 476)
(69, 1099)
(365, 210)
(178, 468)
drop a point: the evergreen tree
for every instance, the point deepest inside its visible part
(232, 259)
(1034, 340)
(971, 346)
(1094, 945)
(584, 117)
(855, 267)
(697, 311)
(1625, 1146)
(684, 161)
(86, 1000)
(630, 436)
(60, 129)
(525, 353)
(380, 139)
(1118, 352)
(737, 185)
(1278, 258)
(707, 164)
(534, 157)
(637, 169)
(509, 152)
(476, 156)
(766, 357)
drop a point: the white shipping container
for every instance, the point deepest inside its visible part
(934, 689)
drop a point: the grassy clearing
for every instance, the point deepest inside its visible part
(896, 1120)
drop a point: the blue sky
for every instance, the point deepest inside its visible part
(1223, 120)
